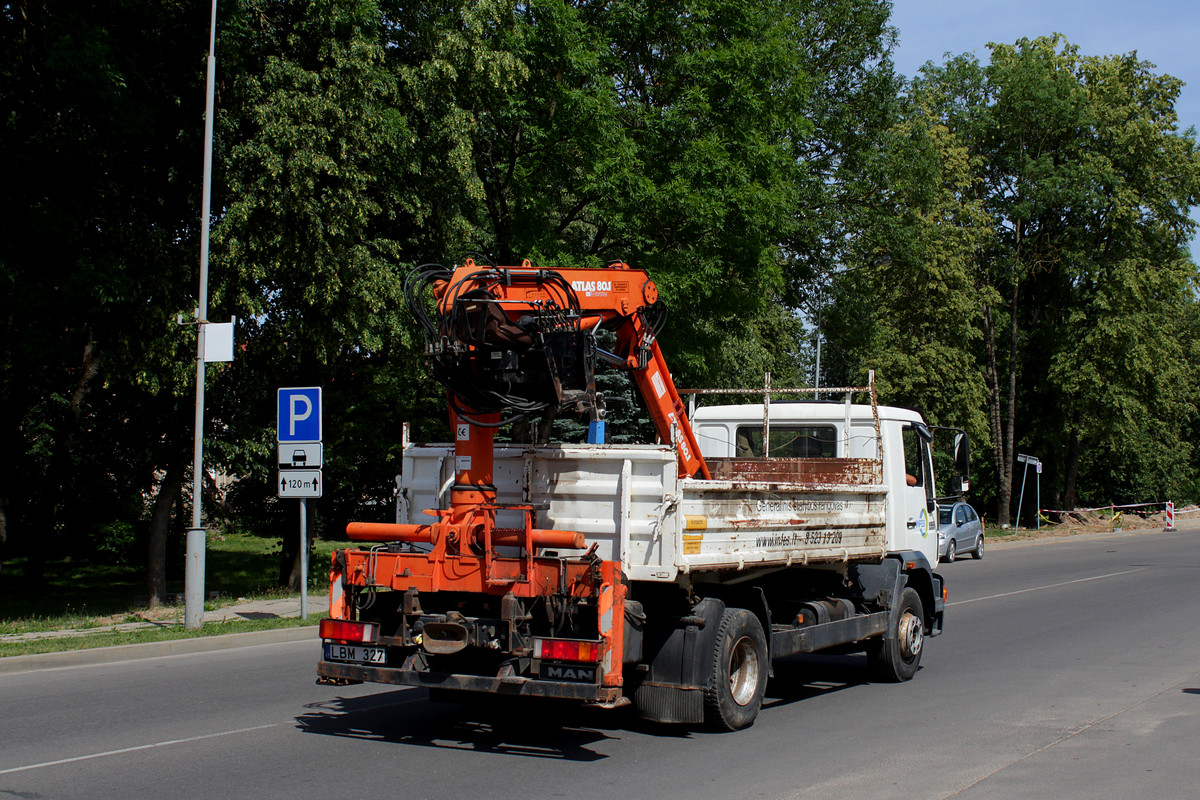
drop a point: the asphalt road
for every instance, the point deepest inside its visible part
(1069, 669)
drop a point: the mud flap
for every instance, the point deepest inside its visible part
(679, 663)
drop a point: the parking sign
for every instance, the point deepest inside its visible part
(300, 414)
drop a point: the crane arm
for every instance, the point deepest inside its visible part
(515, 340)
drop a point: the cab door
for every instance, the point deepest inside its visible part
(919, 506)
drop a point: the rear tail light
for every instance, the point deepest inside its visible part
(566, 650)
(345, 630)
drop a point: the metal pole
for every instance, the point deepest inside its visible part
(193, 610)
(1024, 474)
(303, 558)
(1039, 496)
(817, 367)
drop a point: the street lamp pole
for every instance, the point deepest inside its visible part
(193, 610)
(817, 368)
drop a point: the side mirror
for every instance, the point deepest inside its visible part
(962, 458)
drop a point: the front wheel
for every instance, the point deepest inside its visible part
(738, 677)
(896, 657)
(951, 552)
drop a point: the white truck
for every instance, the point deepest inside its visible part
(667, 575)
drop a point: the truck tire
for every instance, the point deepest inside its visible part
(738, 678)
(896, 657)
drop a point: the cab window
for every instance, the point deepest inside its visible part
(914, 464)
(788, 441)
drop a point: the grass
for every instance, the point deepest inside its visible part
(110, 638)
(84, 595)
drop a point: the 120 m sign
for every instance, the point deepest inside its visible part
(301, 483)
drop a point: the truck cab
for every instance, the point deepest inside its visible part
(824, 430)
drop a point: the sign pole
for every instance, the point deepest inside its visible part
(301, 457)
(1021, 500)
(1039, 495)
(303, 558)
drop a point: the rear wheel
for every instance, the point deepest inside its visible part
(979, 548)
(738, 677)
(896, 657)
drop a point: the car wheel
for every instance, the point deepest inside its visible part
(897, 657)
(979, 548)
(951, 552)
(738, 677)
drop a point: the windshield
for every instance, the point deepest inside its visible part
(945, 513)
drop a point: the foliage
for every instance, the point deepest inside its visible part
(1004, 243)
(98, 110)
(1042, 231)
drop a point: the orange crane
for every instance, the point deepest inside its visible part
(508, 342)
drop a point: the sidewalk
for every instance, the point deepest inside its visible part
(249, 610)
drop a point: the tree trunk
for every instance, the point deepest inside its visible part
(289, 564)
(1011, 422)
(160, 528)
(60, 469)
(1002, 403)
(1000, 455)
(1072, 466)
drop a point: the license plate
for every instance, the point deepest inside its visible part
(355, 653)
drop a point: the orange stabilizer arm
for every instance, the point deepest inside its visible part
(389, 532)
(504, 537)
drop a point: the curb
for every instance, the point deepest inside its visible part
(134, 652)
(1002, 543)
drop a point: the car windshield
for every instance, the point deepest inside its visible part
(945, 514)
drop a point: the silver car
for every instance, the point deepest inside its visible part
(959, 531)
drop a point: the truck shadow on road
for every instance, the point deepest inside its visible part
(799, 678)
(538, 728)
(408, 716)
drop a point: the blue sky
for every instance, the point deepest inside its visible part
(1163, 32)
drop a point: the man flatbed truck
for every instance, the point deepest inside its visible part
(671, 575)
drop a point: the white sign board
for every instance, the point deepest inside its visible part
(300, 483)
(300, 455)
(218, 341)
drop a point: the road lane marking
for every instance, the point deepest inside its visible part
(133, 749)
(1049, 586)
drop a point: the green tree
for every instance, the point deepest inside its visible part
(309, 253)
(1072, 290)
(1089, 182)
(98, 224)
(572, 134)
(913, 313)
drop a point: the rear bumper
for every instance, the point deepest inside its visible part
(587, 692)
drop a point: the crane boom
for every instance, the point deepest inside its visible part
(517, 340)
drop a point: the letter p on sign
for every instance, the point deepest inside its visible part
(300, 414)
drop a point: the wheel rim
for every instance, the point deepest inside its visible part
(743, 671)
(911, 635)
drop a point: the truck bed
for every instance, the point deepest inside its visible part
(629, 502)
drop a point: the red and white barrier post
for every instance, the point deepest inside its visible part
(1170, 517)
